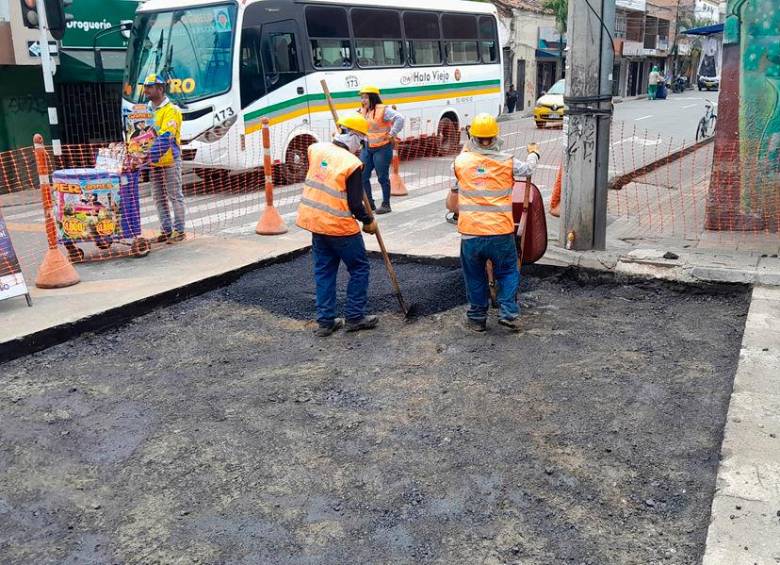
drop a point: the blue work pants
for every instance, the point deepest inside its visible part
(474, 255)
(328, 251)
(379, 159)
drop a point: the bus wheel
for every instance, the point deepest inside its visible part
(296, 161)
(449, 136)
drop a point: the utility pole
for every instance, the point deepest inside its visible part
(587, 124)
(48, 77)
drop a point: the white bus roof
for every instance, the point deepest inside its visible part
(440, 5)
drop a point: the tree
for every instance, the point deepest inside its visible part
(561, 10)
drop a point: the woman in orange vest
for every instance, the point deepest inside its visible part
(384, 125)
(331, 207)
(485, 177)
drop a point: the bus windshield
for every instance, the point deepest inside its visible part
(192, 49)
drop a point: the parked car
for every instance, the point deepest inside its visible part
(549, 108)
(709, 83)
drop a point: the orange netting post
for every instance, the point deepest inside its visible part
(397, 184)
(271, 222)
(56, 271)
(555, 201)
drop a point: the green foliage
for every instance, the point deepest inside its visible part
(561, 10)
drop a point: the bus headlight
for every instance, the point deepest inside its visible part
(217, 132)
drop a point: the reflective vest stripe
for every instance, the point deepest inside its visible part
(313, 184)
(485, 199)
(326, 208)
(484, 209)
(378, 127)
(489, 193)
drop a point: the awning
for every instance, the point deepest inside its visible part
(706, 30)
(542, 54)
(79, 66)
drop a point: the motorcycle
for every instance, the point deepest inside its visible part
(679, 84)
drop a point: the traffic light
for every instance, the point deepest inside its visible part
(56, 18)
(30, 13)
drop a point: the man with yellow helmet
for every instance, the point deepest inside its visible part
(165, 159)
(384, 125)
(330, 208)
(485, 177)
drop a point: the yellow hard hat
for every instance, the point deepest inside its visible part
(368, 89)
(153, 79)
(355, 122)
(484, 125)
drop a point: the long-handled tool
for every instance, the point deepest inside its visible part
(523, 224)
(522, 227)
(408, 310)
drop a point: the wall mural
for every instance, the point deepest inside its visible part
(745, 184)
(759, 122)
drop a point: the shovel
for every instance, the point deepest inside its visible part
(408, 310)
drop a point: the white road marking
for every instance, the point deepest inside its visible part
(643, 118)
(689, 106)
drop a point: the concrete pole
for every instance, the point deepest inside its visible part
(587, 124)
(48, 78)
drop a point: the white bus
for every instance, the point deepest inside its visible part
(230, 64)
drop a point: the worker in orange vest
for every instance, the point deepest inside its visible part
(384, 125)
(330, 208)
(485, 177)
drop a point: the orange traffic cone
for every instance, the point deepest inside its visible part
(397, 184)
(271, 222)
(555, 201)
(56, 271)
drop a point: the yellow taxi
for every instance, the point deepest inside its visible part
(549, 108)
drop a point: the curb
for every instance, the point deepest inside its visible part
(620, 181)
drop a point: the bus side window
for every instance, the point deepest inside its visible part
(378, 36)
(462, 43)
(251, 79)
(328, 31)
(423, 35)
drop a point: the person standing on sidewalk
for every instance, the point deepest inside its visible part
(165, 160)
(485, 177)
(511, 99)
(330, 208)
(652, 83)
(384, 125)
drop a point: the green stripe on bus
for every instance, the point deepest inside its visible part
(356, 93)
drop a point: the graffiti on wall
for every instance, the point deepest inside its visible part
(757, 25)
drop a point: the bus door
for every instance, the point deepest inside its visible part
(285, 80)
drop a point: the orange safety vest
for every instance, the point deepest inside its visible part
(378, 127)
(324, 208)
(485, 197)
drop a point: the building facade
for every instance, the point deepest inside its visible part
(533, 49)
(88, 100)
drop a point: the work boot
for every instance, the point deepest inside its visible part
(162, 237)
(176, 237)
(475, 325)
(511, 323)
(384, 208)
(372, 204)
(325, 331)
(365, 323)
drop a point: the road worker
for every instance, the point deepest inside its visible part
(384, 125)
(485, 176)
(330, 208)
(165, 159)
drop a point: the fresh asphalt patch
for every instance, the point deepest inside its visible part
(220, 430)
